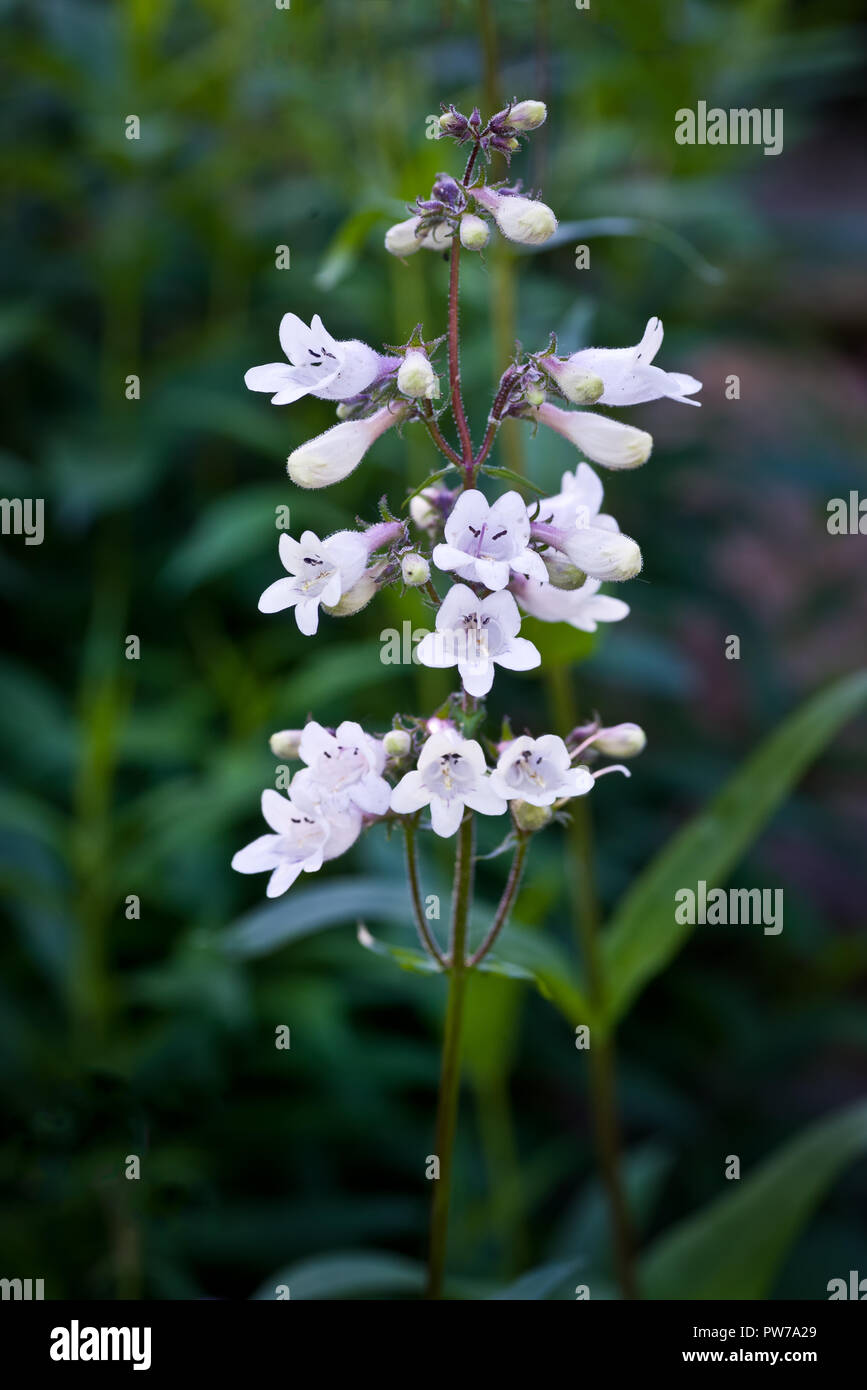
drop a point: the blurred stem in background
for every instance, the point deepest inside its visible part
(581, 881)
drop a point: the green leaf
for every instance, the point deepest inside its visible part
(428, 482)
(546, 1282)
(644, 934)
(512, 477)
(353, 1274)
(308, 910)
(735, 1247)
(415, 961)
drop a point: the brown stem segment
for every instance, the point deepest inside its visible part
(409, 829)
(450, 1073)
(495, 419)
(437, 436)
(507, 902)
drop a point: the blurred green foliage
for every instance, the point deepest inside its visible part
(306, 127)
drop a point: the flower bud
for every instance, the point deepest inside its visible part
(603, 554)
(529, 817)
(416, 376)
(528, 115)
(535, 395)
(401, 239)
(562, 573)
(397, 743)
(603, 440)
(576, 383)
(424, 511)
(286, 743)
(331, 457)
(621, 740)
(475, 232)
(343, 411)
(450, 121)
(358, 596)
(520, 219)
(415, 570)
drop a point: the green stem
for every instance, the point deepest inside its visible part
(510, 892)
(601, 1055)
(409, 829)
(450, 1072)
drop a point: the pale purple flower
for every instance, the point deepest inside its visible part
(451, 775)
(581, 608)
(485, 544)
(603, 440)
(298, 842)
(627, 374)
(332, 456)
(540, 771)
(346, 767)
(317, 366)
(320, 571)
(475, 635)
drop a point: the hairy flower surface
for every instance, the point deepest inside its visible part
(539, 771)
(485, 543)
(627, 374)
(519, 219)
(603, 440)
(475, 634)
(320, 572)
(581, 608)
(318, 365)
(451, 775)
(332, 456)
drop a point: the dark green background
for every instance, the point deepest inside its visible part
(306, 127)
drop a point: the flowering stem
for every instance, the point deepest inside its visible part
(409, 829)
(454, 362)
(495, 419)
(507, 901)
(450, 1072)
(437, 436)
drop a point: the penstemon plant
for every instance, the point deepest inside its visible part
(545, 556)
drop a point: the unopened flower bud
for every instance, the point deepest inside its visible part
(562, 573)
(358, 596)
(285, 743)
(520, 219)
(451, 121)
(576, 383)
(475, 232)
(512, 143)
(604, 554)
(416, 376)
(415, 570)
(535, 395)
(621, 741)
(397, 743)
(424, 511)
(529, 817)
(528, 115)
(343, 411)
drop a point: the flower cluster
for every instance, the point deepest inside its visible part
(484, 561)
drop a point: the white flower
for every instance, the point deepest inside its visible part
(285, 743)
(540, 771)
(321, 571)
(318, 366)
(332, 456)
(605, 441)
(518, 218)
(627, 373)
(621, 740)
(475, 634)
(581, 608)
(485, 543)
(416, 376)
(403, 238)
(475, 232)
(528, 115)
(592, 540)
(424, 510)
(451, 775)
(345, 767)
(299, 842)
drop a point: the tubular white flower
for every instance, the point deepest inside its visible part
(344, 768)
(621, 740)
(332, 456)
(628, 376)
(298, 844)
(404, 239)
(475, 232)
(577, 503)
(581, 608)
(416, 376)
(317, 366)
(539, 771)
(520, 219)
(605, 441)
(285, 743)
(603, 554)
(451, 775)
(528, 115)
(484, 543)
(578, 385)
(320, 572)
(475, 635)
(572, 522)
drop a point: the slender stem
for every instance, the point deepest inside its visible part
(454, 359)
(601, 1055)
(507, 901)
(427, 940)
(450, 1073)
(495, 418)
(437, 436)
